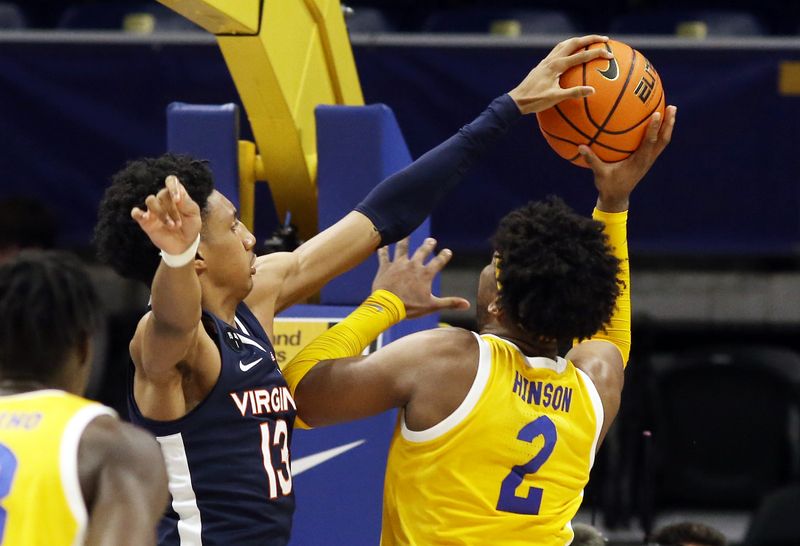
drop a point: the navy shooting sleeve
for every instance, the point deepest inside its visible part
(400, 203)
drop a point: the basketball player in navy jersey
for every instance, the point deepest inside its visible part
(205, 379)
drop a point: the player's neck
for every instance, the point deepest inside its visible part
(529, 345)
(221, 305)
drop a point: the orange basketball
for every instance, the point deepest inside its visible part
(613, 120)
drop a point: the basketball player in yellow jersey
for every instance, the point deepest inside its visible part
(497, 434)
(70, 472)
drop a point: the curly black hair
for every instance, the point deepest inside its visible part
(558, 276)
(118, 239)
(49, 306)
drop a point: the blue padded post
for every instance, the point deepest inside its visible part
(358, 146)
(208, 132)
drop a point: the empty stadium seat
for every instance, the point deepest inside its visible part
(11, 17)
(689, 23)
(725, 424)
(509, 22)
(135, 17)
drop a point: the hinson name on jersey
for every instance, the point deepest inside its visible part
(264, 401)
(542, 393)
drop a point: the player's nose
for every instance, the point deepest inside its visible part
(248, 240)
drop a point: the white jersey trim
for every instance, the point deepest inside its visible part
(184, 500)
(68, 462)
(599, 414)
(467, 405)
(558, 365)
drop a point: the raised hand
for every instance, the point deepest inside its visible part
(616, 181)
(410, 279)
(171, 218)
(541, 88)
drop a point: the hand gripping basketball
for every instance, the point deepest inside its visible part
(171, 218)
(613, 120)
(541, 88)
(616, 181)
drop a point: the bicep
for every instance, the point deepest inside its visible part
(158, 350)
(602, 362)
(339, 248)
(131, 492)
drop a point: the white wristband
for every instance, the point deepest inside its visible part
(180, 260)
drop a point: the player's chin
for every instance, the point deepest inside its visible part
(248, 287)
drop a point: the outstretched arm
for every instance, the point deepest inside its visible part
(381, 380)
(124, 483)
(605, 355)
(169, 331)
(401, 202)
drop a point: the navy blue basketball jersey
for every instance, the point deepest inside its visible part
(228, 459)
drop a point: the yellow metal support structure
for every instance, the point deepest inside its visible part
(297, 57)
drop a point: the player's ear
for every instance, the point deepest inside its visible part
(199, 263)
(494, 308)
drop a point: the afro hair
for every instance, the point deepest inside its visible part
(118, 239)
(558, 276)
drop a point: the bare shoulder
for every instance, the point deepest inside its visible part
(442, 354)
(121, 443)
(443, 374)
(110, 446)
(449, 342)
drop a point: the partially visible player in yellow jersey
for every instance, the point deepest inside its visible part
(70, 472)
(497, 434)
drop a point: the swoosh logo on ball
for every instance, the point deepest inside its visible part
(612, 72)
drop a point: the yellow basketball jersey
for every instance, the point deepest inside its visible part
(507, 467)
(41, 502)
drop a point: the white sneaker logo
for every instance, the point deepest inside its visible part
(246, 367)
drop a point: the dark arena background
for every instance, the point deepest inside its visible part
(709, 429)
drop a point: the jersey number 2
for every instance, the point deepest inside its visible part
(530, 504)
(8, 466)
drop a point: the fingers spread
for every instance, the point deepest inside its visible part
(154, 208)
(578, 92)
(441, 260)
(666, 128)
(653, 128)
(383, 256)
(401, 249)
(562, 65)
(451, 303)
(424, 250)
(173, 217)
(573, 44)
(138, 214)
(174, 187)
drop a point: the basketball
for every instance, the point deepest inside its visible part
(613, 120)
